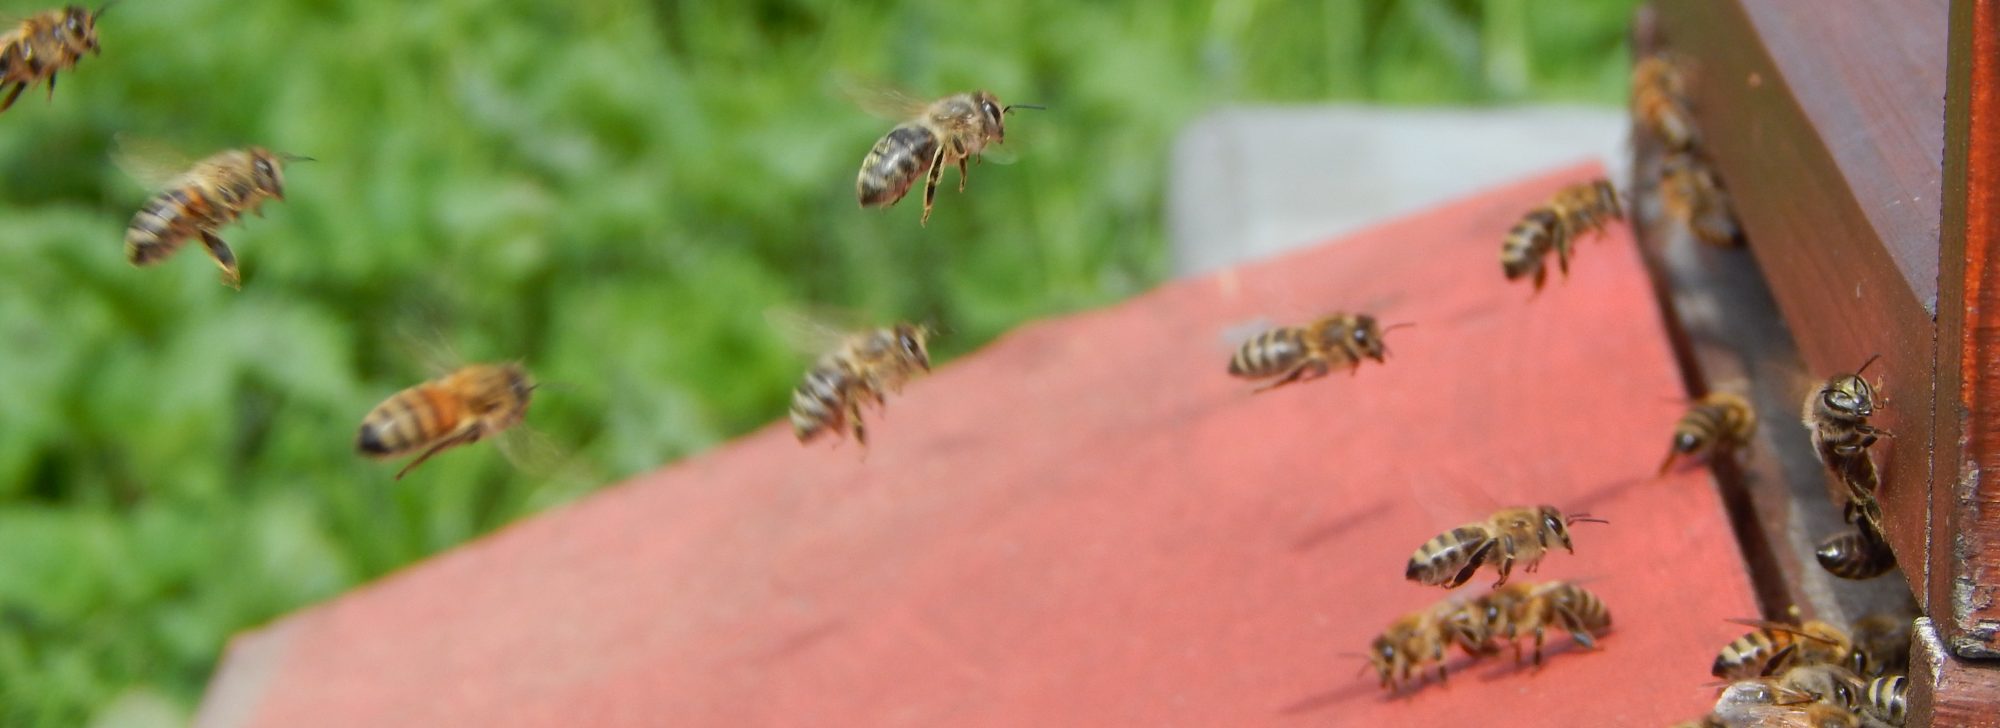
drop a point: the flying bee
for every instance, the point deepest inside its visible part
(1400, 653)
(44, 45)
(1521, 534)
(937, 134)
(1517, 610)
(1555, 226)
(865, 366)
(1774, 647)
(1690, 194)
(215, 192)
(460, 408)
(1342, 339)
(1881, 645)
(1719, 423)
(1659, 102)
(1887, 699)
(1858, 553)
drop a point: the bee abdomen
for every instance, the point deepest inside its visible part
(1886, 698)
(1528, 241)
(1270, 353)
(897, 160)
(819, 402)
(1855, 555)
(1745, 657)
(409, 420)
(1441, 559)
(161, 227)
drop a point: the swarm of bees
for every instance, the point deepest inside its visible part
(1511, 535)
(1555, 226)
(1813, 674)
(1718, 424)
(1299, 353)
(1481, 626)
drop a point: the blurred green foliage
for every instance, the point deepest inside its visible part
(613, 191)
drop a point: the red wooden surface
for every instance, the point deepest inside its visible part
(1088, 523)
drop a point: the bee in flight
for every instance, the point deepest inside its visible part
(936, 134)
(1659, 102)
(1690, 193)
(1342, 339)
(1719, 423)
(196, 204)
(44, 45)
(1511, 535)
(1555, 226)
(460, 408)
(1837, 414)
(1775, 647)
(1858, 553)
(864, 367)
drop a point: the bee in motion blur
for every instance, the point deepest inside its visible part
(44, 45)
(1691, 195)
(1518, 610)
(865, 367)
(1837, 414)
(1511, 535)
(1555, 226)
(1775, 647)
(1417, 639)
(1858, 553)
(936, 134)
(214, 193)
(1294, 352)
(1659, 102)
(1717, 424)
(460, 408)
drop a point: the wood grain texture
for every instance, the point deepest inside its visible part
(1947, 691)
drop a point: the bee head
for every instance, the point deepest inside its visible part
(1367, 338)
(1686, 442)
(1848, 396)
(910, 344)
(991, 115)
(267, 171)
(79, 28)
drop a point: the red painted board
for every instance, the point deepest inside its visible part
(1088, 523)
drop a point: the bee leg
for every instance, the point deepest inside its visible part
(1538, 646)
(854, 423)
(52, 87)
(961, 174)
(1541, 276)
(19, 86)
(1294, 375)
(223, 258)
(930, 184)
(470, 435)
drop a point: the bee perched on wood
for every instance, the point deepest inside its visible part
(1859, 553)
(1342, 339)
(215, 192)
(1719, 423)
(1520, 609)
(1690, 193)
(866, 366)
(936, 134)
(1659, 102)
(1837, 414)
(460, 408)
(1514, 534)
(1556, 225)
(44, 45)
(1881, 645)
(1775, 647)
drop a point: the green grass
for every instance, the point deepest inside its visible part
(613, 191)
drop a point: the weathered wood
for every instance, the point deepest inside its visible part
(1946, 690)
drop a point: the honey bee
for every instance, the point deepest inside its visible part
(214, 193)
(1556, 225)
(1831, 684)
(1774, 647)
(1881, 645)
(459, 408)
(866, 366)
(1522, 534)
(1659, 102)
(937, 134)
(1887, 699)
(1342, 339)
(1721, 422)
(1858, 553)
(1519, 609)
(1690, 193)
(1400, 653)
(44, 45)
(1837, 414)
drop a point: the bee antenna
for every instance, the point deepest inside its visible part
(1024, 106)
(1583, 518)
(1401, 325)
(289, 157)
(1864, 365)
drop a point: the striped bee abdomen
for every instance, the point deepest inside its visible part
(1450, 558)
(411, 419)
(1269, 354)
(1531, 238)
(164, 225)
(896, 162)
(1856, 554)
(1886, 698)
(820, 402)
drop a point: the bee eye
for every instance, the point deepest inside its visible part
(991, 110)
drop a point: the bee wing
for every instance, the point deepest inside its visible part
(811, 332)
(1780, 627)
(154, 163)
(881, 99)
(1234, 336)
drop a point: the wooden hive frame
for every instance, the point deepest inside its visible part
(1861, 145)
